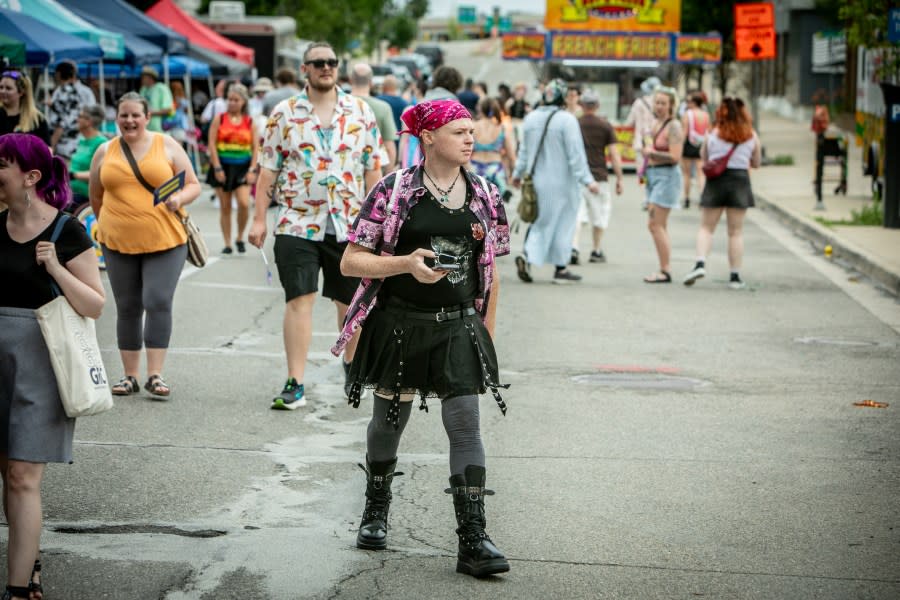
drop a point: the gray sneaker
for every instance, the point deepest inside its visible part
(695, 274)
(597, 257)
(291, 397)
(566, 276)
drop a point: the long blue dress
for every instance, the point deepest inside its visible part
(560, 174)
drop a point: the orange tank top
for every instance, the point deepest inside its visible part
(129, 223)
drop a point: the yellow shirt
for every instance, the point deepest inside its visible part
(129, 223)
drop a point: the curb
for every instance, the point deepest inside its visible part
(821, 236)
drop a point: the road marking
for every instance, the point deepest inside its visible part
(190, 270)
(236, 286)
(882, 305)
(229, 352)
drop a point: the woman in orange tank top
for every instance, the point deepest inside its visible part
(143, 243)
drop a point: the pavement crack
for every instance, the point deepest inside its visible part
(696, 570)
(173, 446)
(255, 325)
(348, 578)
(140, 528)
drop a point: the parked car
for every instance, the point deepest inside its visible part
(432, 52)
(410, 64)
(402, 73)
(379, 72)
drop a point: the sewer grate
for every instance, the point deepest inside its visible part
(649, 381)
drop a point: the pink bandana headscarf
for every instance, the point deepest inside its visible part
(431, 115)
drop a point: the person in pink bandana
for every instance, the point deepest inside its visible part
(424, 245)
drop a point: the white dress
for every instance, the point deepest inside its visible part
(560, 174)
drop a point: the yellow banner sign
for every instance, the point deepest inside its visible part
(613, 15)
(611, 46)
(698, 49)
(524, 46)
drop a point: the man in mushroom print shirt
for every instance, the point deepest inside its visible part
(320, 153)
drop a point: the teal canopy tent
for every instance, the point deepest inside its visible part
(12, 50)
(56, 15)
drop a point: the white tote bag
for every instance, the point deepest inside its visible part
(74, 353)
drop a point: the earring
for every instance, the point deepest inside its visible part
(27, 199)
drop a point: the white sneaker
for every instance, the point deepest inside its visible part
(737, 285)
(695, 274)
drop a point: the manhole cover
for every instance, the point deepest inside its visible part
(836, 342)
(649, 381)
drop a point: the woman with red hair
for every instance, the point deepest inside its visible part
(732, 139)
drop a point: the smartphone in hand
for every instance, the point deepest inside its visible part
(450, 267)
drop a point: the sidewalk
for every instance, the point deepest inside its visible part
(787, 191)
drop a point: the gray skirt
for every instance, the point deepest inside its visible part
(33, 425)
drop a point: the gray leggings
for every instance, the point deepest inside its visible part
(144, 283)
(460, 417)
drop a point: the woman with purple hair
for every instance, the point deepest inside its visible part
(34, 429)
(425, 243)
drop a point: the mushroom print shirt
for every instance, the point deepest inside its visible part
(320, 167)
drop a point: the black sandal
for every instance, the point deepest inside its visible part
(661, 277)
(37, 590)
(126, 386)
(157, 386)
(522, 269)
(16, 591)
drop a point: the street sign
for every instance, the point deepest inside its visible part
(467, 15)
(895, 113)
(756, 43)
(756, 14)
(754, 31)
(829, 52)
(894, 25)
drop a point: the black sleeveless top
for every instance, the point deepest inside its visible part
(450, 234)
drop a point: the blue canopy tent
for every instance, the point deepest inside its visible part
(45, 44)
(137, 50)
(56, 15)
(179, 66)
(121, 16)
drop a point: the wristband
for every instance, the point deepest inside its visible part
(217, 168)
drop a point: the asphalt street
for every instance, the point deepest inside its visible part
(661, 442)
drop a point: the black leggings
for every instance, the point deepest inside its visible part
(461, 422)
(144, 283)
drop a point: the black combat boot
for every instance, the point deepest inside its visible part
(478, 556)
(373, 528)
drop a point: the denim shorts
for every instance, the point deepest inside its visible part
(664, 185)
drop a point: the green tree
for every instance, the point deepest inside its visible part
(706, 16)
(345, 23)
(866, 22)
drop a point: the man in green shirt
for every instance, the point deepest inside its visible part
(157, 95)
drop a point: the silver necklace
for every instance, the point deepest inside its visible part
(444, 193)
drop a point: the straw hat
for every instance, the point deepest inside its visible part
(263, 84)
(151, 72)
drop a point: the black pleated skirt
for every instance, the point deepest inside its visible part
(399, 354)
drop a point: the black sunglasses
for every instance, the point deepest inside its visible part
(321, 62)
